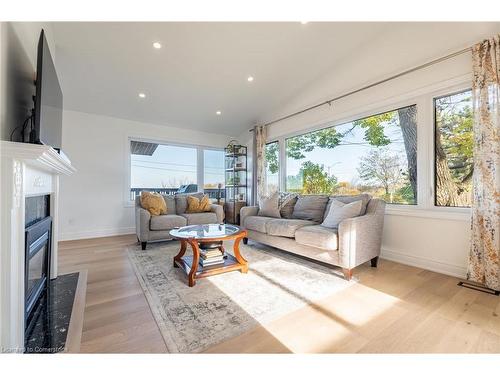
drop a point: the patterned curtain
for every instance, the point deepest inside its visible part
(484, 257)
(260, 133)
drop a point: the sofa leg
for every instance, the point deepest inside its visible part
(143, 245)
(374, 262)
(245, 240)
(347, 273)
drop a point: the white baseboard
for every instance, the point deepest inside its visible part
(68, 236)
(425, 263)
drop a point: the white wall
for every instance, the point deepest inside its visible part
(92, 202)
(429, 238)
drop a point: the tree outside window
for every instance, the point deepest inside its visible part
(375, 155)
(453, 150)
(272, 167)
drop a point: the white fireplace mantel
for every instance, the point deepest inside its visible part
(26, 170)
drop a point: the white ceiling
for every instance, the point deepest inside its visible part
(202, 67)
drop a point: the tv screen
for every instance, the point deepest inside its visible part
(48, 101)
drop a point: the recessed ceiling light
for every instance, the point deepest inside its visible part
(142, 95)
(218, 113)
(304, 22)
(157, 45)
(250, 79)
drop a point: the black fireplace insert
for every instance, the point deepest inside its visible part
(38, 240)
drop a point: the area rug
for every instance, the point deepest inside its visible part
(224, 306)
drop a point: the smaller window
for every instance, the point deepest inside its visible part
(453, 144)
(272, 167)
(161, 168)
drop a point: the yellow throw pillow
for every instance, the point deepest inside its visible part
(154, 203)
(196, 205)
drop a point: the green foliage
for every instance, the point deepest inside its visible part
(405, 195)
(272, 157)
(327, 138)
(315, 180)
(296, 147)
(374, 128)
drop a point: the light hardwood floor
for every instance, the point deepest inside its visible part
(394, 308)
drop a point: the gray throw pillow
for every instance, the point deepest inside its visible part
(170, 202)
(340, 211)
(287, 204)
(364, 198)
(310, 207)
(269, 206)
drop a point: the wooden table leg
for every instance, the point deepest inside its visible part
(237, 254)
(181, 253)
(194, 265)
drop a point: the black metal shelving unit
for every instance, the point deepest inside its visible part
(236, 177)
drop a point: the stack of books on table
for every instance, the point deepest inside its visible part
(212, 257)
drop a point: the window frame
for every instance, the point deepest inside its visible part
(423, 99)
(200, 161)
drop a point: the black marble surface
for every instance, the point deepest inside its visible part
(49, 324)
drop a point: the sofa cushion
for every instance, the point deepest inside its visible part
(285, 227)
(170, 202)
(181, 202)
(364, 198)
(318, 236)
(310, 207)
(201, 218)
(340, 211)
(257, 223)
(167, 222)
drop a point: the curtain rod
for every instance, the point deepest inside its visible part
(329, 102)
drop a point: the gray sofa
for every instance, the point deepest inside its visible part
(157, 228)
(356, 241)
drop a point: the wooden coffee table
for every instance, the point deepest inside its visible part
(208, 235)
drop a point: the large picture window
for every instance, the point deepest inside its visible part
(375, 155)
(453, 163)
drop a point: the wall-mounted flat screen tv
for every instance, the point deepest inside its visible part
(47, 128)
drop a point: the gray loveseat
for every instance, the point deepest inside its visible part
(356, 241)
(156, 228)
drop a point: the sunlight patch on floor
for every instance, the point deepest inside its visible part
(336, 323)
